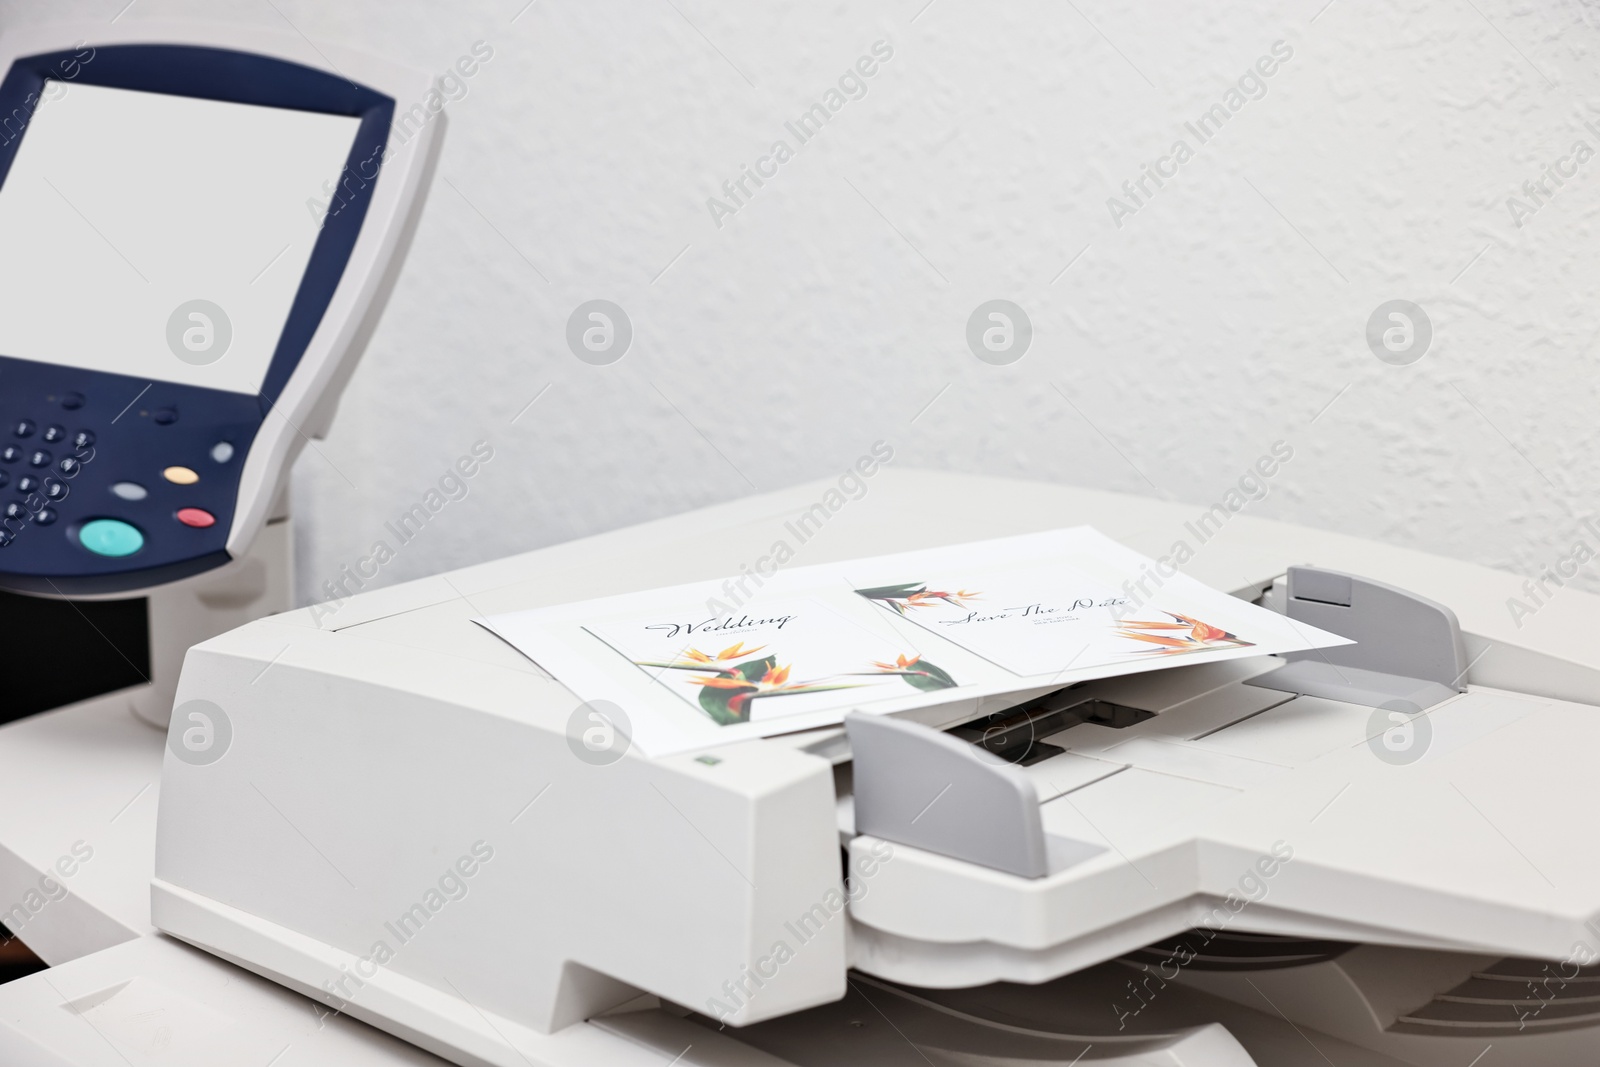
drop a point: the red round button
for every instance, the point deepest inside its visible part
(196, 517)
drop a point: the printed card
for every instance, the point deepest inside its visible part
(790, 659)
(911, 631)
(1041, 622)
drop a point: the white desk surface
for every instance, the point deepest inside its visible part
(87, 775)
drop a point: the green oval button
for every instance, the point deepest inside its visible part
(110, 537)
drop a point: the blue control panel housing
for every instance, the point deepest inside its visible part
(112, 484)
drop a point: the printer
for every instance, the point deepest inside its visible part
(1372, 854)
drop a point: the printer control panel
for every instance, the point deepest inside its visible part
(109, 482)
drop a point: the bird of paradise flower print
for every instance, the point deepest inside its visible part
(918, 673)
(916, 595)
(692, 659)
(1197, 636)
(729, 688)
(727, 697)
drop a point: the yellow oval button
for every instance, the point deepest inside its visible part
(180, 476)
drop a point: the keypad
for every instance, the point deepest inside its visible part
(37, 478)
(119, 506)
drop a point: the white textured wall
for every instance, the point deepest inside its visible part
(1226, 314)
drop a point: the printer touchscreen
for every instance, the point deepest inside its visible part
(159, 236)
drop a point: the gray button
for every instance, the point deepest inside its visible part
(130, 490)
(222, 451)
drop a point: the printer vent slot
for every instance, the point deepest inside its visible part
(1221, 950)
(1510, 997)
(1015, 734)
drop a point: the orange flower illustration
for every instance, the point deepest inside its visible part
(917, 672)
(774, 679)
(726, 697)
(916, 595)
(693, 659)
(731, 652)
(1200, 637)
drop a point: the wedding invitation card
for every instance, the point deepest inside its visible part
(698, 665)
(794, 662)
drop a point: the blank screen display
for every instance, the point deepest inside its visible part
(161, 236)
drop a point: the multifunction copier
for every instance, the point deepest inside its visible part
(1369, 854)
